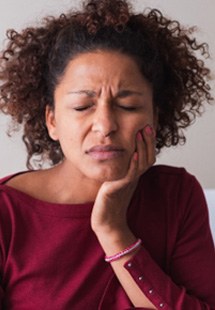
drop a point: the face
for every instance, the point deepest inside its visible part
(101, 102)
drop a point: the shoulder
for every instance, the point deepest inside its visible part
(167, 170)
(40, 185)
(175, 193)
(7, 179)
(24, 182)
(168, 175)
(174, 183)
(10, 186)
(20, 181)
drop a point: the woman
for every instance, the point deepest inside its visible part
(99, 92)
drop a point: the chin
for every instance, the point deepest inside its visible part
(108, 174)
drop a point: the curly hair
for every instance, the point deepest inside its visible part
(35, 59)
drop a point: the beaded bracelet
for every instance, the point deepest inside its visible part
(129, 249)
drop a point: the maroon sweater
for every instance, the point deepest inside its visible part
(50, 258)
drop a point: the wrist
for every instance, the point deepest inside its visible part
(109, 227)
(116, 241)
(129, 250)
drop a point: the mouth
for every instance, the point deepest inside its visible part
(105, 152)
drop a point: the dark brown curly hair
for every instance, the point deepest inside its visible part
(35, 59)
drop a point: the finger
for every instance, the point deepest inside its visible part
(141, 148)
(149, 138)
(131, 175)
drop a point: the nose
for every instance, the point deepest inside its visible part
(104, 120)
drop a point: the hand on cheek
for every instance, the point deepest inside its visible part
(113, 198)
(145, 149)
(144, 155)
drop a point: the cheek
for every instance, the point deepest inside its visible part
(129, 135)
(67, 135)
(130, 129)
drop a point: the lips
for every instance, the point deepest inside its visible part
(105, 152)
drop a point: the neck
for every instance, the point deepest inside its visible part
(71, 186)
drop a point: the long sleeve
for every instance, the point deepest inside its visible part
(190, 283)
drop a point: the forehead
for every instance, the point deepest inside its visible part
(103, 67)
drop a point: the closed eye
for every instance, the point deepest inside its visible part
(82, 108)
(127, 108)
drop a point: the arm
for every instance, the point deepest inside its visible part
(143, 280)
(190, 283)
(127, 280)
(108, 218)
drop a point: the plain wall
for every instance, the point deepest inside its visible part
(199, 152)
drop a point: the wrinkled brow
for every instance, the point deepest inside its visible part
(120, 94)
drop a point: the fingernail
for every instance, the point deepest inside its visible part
(149, 130)
(139, 136)
(135, 156)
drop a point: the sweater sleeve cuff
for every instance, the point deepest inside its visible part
(137, 268)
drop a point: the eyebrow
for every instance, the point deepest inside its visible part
(120, 94)
(126, 93)
(89, 93)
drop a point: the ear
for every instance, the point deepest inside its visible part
(51, 123)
